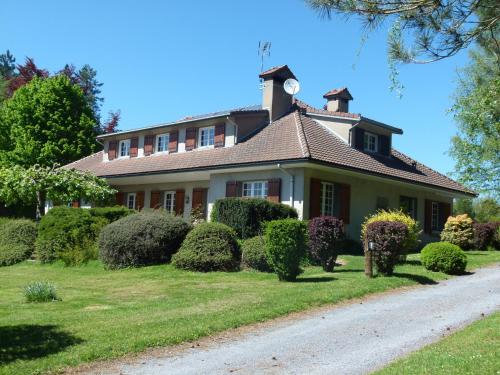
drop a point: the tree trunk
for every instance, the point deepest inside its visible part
(40, 204)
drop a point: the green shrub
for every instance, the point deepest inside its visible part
(484, 235)
(246, 216)
(459, 231)
(62, 231)
(209, 247)
(110, 214)
(40, 291)
(444, 257)
(141, 239)
(17, 240)
(253, 254)
(285, 247)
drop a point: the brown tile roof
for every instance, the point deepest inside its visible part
(293, 137)
(282, 71)
(310, 109)
(342, 92)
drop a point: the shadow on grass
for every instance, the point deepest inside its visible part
(412, 262)
(314, 279)
(338, 270)
(424, 280)
(30, 341)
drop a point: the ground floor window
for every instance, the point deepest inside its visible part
(409, 205)
(169, 202)
(435, 222)
(327, 199)
(131, 197)
(255, 189)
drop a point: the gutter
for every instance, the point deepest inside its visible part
(292, 184)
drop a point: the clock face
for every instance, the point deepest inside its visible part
(291, 86)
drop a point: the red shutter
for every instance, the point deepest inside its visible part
(197, 200)
(120, 198)
(139, 201)
(75, 203)
(112, 150)
(345, 202)
(428, 216)
(445, 210)
(155, 199)
(315, 198)
(274, 190)
(179, 202)
(134, 147)
(219, 135)
(172, 141)
(232, 189)
(149, 141)
(190, 139)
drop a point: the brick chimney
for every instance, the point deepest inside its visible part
(338, 100)
(274, 97)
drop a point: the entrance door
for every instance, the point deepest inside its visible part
(200, 202)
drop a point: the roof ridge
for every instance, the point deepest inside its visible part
(84, 158)
(301, 135)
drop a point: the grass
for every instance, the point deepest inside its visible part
(105, 314)
(473, 350)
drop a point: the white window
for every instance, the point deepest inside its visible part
(206, 137)
(255, 189)
(125, 148)
(435, 216)
(371, 142)
(169, 201)
(131, 200)
(327, 199)
(162, 143)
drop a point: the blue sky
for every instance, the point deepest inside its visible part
(163, 60)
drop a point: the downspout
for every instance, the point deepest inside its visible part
(350, 131)
(292, 184)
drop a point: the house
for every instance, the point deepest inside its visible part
(320, 161)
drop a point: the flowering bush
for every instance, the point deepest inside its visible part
(458, 230)
(324, 235)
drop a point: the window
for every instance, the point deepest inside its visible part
(371, 142)
(169, 201)
(255, 189)
(162, 143)
(382, 203)
(409, 205)
(435, 217)
(206, 136)
(131, 200)
(125, 148)
(327, 199)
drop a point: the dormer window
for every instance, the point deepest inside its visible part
(125, 148)
(206, 136)
(371, 142)
(162, 142)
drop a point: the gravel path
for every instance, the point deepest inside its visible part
(350, 339)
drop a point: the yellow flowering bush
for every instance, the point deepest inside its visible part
(459, 231)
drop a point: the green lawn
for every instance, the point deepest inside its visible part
(473, 350)
(105, 314)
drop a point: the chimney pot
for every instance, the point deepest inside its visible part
(338, 100)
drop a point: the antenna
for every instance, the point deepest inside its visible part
(264, 51)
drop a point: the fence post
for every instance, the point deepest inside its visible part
(368, 260)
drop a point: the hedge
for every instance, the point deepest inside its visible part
(253, 254)
(17, 240)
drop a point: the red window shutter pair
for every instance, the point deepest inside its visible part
(232, 189)
(155, 199)
(345, 202)
(149, 141)
(190, 139)
(179, 202)
(112, 145)
(220, 135)
(139, 200)
(344, 191)
(134, 147)
(274, 190)
(120, 198)
(444, 213)
(173, 138)
(315, 198)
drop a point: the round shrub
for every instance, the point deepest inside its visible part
(388, 239)
(17, 240)
(325, 232)
(484, 235)
(209, 247)
(12, 254)
(444, 257)
(458, 230)
(141, 239)
(253, 254)
(285, 247)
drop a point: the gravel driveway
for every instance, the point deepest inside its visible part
(351, 339)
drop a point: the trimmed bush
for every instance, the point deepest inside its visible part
(141, 239)
(414, 231)
(285, 247)
(389, 239)
(325, 233)
(253, 254)
(209, 247)
(40, 291)
(484, 235)
(17, 240)
(110, 214)
(444, 257)
(246, 216)
(458, 230)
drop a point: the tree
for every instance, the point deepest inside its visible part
(487, 209)
(111, 125)
(25, 73)
(7, 64)
(36, 184)
(463, 206)
(46, 122)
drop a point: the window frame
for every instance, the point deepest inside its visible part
(129, 195)
(323, 210)
(210, 129)
(435, 221)
(170, 209)
(370, 136)
(264, 188)
(411, 211)
(120, 146)
(166, 137)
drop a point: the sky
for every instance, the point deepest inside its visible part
(163, 60)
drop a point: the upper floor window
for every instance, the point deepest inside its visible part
(131, 197)
(327, 199)
(162, 143)
(435, 224)
(125, 148)
(371, 142)
(206, 137)
(169, 202)
(409, 205)
(255, 189)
